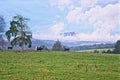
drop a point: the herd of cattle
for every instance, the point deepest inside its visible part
(40, 48)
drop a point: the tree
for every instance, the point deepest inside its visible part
(109, 51)
(96, 51)
(19, 33)
(2, 25)
(117, 47)
(1, 41)
(57, 46)
(2, 30)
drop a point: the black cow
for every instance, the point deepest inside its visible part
(66, 49)
(10, 48)
(39, 48)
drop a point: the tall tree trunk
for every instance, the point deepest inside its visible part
(22, 35)
(22, 47)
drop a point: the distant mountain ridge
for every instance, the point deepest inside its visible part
(49, 43)
(74, 45)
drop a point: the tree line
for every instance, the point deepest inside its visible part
(116, 47)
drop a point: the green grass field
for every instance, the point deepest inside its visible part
(92, 50)
(58, 66)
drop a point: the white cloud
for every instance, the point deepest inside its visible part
(52, 33)
(85, 4)
(97, 37)
(103, 19)
(57, 28)
(78, 37)
(110, 13)
(71, 4)
(45, 36)
(61, 4)
(75, 15)
(88, 3)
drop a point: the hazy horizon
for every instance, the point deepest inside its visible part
(67, 20)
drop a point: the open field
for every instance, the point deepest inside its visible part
(58, 66)
(92, 50)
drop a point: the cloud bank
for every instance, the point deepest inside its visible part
(103, 19)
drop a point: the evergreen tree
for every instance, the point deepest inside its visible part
(117, 47)
(57, 46)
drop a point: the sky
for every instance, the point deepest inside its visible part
(67, 20)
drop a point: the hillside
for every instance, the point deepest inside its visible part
(38, 42)
(73, 45)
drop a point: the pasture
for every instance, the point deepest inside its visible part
(16, 65)
(92, 50)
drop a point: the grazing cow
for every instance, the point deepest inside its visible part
(10, 48)
(39, 48)
(66, 49)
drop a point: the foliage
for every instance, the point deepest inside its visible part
(58, 66)
(2, 24)
(109, 51)
(18, 33)
(89, 47)
(2, 41)
(96, 51)
(117, 47)
(2, 30)
(57, 46)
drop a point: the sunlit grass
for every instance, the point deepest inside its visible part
(58, 66)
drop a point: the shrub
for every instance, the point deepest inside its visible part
(117, 47)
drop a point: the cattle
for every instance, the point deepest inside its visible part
(66, 49)
(10, 48)
(39, 48)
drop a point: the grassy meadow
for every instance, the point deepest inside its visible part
(16, 65)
